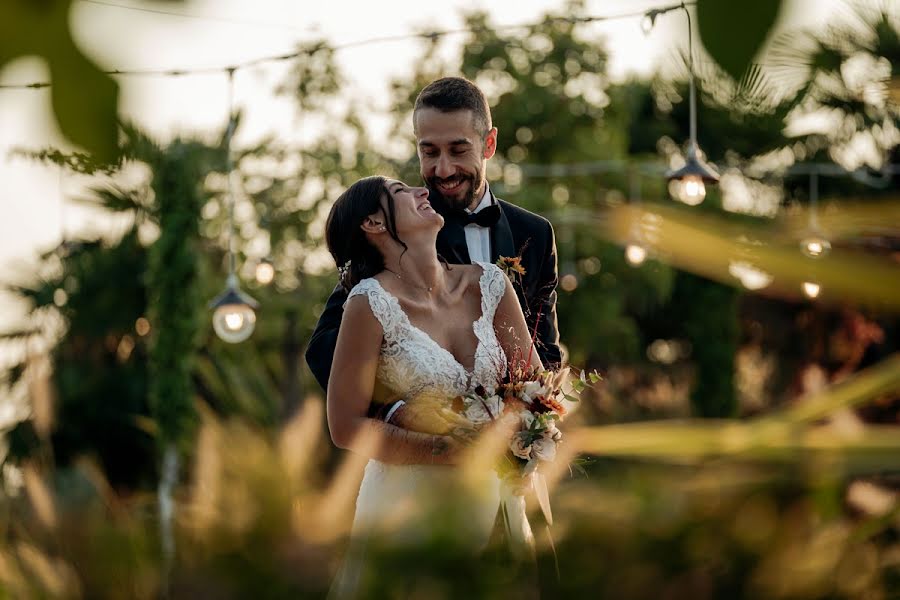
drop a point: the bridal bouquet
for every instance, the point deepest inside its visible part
(534, 400)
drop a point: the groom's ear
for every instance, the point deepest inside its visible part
(372, 224)
(490, 143)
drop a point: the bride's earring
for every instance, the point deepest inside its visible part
(372, 226)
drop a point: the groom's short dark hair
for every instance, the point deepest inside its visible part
(450, 94)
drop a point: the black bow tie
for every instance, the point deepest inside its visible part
(486, 217)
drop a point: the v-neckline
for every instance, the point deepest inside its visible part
(469, 373)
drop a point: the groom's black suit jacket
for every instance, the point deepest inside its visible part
(518, 232)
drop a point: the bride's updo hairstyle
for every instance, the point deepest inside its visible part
(354, 255)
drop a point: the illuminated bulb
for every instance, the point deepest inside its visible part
(234, 316)
(811, 289)
(692, 190)
(815, 246)
(265, 272)
(234, 322)
(688, 183)
(647, 23)
(635, 254)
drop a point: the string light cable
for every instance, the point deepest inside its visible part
(293, 55)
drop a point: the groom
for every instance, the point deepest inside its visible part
(455, 139)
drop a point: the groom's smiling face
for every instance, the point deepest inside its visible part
(452, 155)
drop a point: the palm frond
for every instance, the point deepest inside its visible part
(113, 198)
(887, 41)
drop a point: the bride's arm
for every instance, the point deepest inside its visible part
(512, 330)
(350, 390)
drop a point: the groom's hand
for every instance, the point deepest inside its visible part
(464, 435)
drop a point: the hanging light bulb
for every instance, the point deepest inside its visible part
(265, 271)
(693, 189)
(688, 184)
(234, 316)
(815, 246)
(811, 289)
(635, 254)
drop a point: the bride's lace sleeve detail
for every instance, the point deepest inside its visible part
(493, 286)
(382, 306)
(490, 360)
(395, 368)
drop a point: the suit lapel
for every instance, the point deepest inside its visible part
(501, 237)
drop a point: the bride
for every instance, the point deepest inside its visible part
(417, 329)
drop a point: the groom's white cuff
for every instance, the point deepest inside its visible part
(387, 417)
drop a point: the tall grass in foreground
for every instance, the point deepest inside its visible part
(790, 505)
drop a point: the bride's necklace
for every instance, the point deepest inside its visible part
(428, 289)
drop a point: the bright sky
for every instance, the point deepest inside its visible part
(35, 202)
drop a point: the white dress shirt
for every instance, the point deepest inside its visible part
(478, 238)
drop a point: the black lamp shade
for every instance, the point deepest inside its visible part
(695, 166)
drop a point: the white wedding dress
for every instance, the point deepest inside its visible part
(410, 504)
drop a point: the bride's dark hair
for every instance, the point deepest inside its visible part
(343, 233)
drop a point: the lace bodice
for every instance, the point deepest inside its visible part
(413, 364)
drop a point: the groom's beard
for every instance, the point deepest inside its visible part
(461, 203)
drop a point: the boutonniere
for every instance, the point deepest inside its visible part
(512, 266)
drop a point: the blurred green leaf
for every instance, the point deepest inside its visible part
(858, 389)
(732, 45)
(710, 246)
(84, 99)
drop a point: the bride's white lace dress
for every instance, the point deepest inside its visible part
(407, 504)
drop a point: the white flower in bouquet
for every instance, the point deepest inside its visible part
(483, 410)
(532, 389)
(519, 446)
(544, 449)
(552, 432)
(527, 418)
